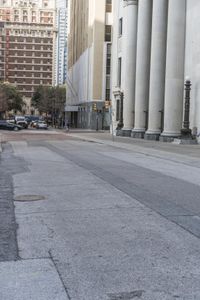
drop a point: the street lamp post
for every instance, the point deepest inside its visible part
(121, 123)
(186, 131)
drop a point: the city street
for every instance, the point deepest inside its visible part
(85, 216)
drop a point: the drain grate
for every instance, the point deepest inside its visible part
(27, 198)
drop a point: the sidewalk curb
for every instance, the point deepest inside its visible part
(0, 142)
(161, 154)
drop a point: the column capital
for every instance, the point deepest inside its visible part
(130, 2)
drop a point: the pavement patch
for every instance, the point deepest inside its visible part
(27, 198)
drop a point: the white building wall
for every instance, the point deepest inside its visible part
(192, 59)
(79, 83)
(117, 48)
(191, 65)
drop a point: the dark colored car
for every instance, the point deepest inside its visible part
(9, 126)
(32, 118)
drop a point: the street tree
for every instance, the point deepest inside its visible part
(10, 99)
(50, 100)
(41, 99)
(59, 94)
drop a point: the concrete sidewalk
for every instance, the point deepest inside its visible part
(139, 145)
(97, 225)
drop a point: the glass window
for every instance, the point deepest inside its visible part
(120, 26)
(117, 109)
(119, 71)
(108, 31)
(108, 6)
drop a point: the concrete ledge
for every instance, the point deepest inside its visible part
(167, 139)
(151, 137)
(137, 134)
(185, 141)
(124, 132)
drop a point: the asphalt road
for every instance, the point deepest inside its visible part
(111, 222)
(8, 227)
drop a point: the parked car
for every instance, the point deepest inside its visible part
(4, 125)
(41, 125)
(32, 118)
(34, 123)
(20, 120)
(11, 120)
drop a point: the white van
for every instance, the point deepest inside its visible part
(20, 120)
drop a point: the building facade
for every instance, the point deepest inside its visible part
(89, 63)
(61, 42)
(27, 44)
(156, 45)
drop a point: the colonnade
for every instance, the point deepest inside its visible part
(154, 46)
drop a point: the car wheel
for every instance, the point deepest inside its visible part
(16, 128)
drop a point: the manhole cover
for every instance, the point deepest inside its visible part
(126, 296)
(26, 198)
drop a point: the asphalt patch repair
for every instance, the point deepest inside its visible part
(27, 198)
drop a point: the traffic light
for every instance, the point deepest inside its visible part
(107, 104)
(94, 106)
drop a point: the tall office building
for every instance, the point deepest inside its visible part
(27, 44)
(89, 58)
(61, 42)
(156, 45)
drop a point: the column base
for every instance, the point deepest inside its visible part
(183, 141)
(119, 132)
(123, 132)
(137, 134)
(126, 132)
(167, 138)
(152, 136)
(186, 133)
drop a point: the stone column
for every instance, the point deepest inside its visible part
(174, 79)
(157, 71)
(129, 61)
(142, 67)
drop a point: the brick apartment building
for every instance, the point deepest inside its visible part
(27, 44)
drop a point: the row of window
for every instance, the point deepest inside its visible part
(108, 72)
(21, 32)
(25, 19)
(45, 3)
(30, 83)
(28, 47)
(29, 61)
(28, 70)
(29, 54)
(120, 59)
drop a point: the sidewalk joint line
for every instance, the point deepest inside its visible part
(54, 263)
